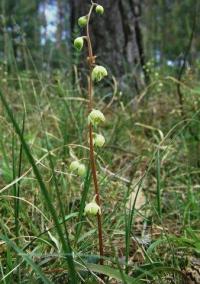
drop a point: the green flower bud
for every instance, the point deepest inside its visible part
(95, 117)
(92, 208)
(78, 43)
(99, 140)
(78, 168)
(82, 21)
(98, 73)
(81, 170)
(74, 166)
(99, 9)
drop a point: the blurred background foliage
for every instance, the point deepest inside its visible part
(131, 33)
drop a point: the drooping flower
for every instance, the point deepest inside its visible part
(74, 166)
(78, 168)
(99, 9)
(78, 43)
(99, 140)
(96, 117)
(82, 21)
(98, 73)
(92, 208)
(81, 170)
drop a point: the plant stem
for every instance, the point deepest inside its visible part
(158, 161)
(91, 61)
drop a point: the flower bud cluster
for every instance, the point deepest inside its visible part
(82, 22)
(78, 168)
(95, 118)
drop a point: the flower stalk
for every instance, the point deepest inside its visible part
(95, 117)
(91, 62)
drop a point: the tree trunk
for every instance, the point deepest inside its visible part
(60, 23)
(116, 36)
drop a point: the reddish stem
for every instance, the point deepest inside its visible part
(91, 61)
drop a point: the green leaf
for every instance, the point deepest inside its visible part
(110, 272)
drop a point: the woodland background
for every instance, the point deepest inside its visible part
(131, 33)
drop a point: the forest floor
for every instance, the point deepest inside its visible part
(148, 172)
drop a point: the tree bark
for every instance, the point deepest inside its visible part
(60, 23)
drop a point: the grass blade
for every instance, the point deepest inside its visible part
(20, 252)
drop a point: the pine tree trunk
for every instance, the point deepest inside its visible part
(60, 22)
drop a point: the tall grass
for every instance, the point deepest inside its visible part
(65, 243)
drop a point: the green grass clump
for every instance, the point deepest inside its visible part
(42, 205)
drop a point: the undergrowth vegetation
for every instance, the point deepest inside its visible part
(148, 172)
